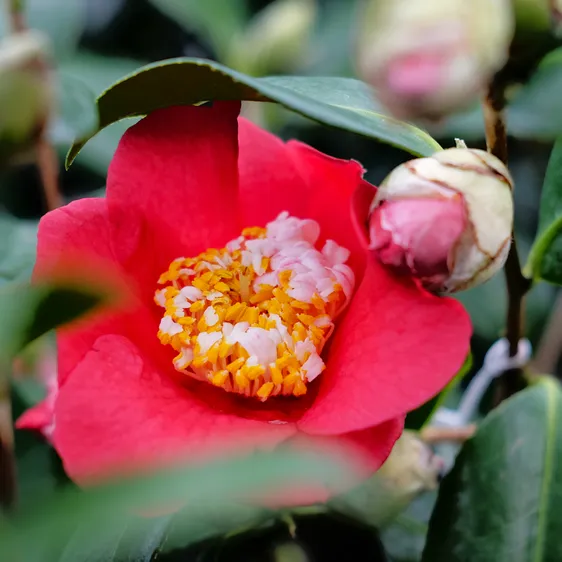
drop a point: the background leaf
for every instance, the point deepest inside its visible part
(545, 259)
(502, 500)
(220, 20)
(340, 102)
(17, 251)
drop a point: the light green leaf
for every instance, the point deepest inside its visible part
(502, 500)
(545, 259)
(77, 107)
(341, 102)
(17, 250)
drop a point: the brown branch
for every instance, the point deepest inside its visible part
(8, 482)
(517, 284)
(434, 435)
(550, 347)
(48, 163)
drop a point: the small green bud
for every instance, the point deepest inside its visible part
(26, 92)
(276, 40)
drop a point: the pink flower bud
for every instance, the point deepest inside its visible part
(429, 58)
(446, 220)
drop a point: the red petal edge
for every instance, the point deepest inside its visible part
(396, 348)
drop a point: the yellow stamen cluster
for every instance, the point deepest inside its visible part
(236, 333)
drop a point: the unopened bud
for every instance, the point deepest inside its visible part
(276, 38)
(446, 220)
(26, 92)
(429, 58)
(411, 469)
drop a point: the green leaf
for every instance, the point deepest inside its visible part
(422, 416)
(17, 250)
(97, 73)
(545, 259)
(502, 500)
(108, 509)
(404, 539)
(135, 540)
(30, 311)
(340, 102)
(220, 20)
(77, 102)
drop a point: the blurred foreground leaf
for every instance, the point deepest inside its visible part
(30, 311)
(545, 259)
(502, 500)
(107, 512)
(340, 102)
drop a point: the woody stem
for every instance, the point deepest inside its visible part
(517, 284)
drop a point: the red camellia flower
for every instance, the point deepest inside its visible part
(257, 318)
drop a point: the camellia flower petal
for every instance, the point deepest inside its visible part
(255, 319)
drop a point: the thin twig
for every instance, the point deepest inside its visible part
(48, 163)
(517, 284)
(550, 347)
(433, 435)
(8, 482)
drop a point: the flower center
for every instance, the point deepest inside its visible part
(254, 316)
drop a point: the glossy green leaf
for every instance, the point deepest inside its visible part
(30, 311)
(109, 511)
(422, 415)
(545, 259)
(502, 501)
(339, 102)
